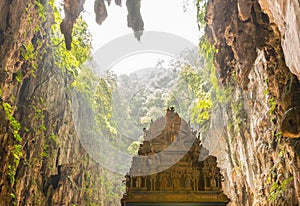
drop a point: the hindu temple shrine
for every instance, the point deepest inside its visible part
(172, 168)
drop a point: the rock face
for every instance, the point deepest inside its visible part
(42, 161)
(286, 15)
(72, 9)
(257, 43)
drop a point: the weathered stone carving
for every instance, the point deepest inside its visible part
(187, 175)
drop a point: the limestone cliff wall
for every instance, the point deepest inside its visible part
(286, 15)
(41, 159)
(43, 162)
(257, 43)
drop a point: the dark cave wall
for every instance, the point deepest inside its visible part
(260, 164)
(45, 164)
(257, 57)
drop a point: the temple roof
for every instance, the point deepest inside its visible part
(167, 167)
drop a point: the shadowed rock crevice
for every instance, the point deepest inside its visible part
(263, 113)
(35, 168)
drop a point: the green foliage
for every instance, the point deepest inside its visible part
(134, 147)
(207, 50)
(41, 10)
(14, 124)
(276, 141)
(277, 189)
(203, 86)
(278, 137)
(30, 55)
(81, 44)
(53, 137)
(43, 127)
(111, 185)
(29, 50)
(200, 113)
(266, 92)
(85, 83)
(44, 153)
(11, 174)
(38, 115)
(202, 80)
(142, 97)
(201, 10)
(103, 106)
(236, 108)
(153, 112)
(13, 196)
(281, 153)
(19, 77)
(191, 86)
(98, 94)
(16, 152)
(272, 104)
(94, 204)
(12, 168)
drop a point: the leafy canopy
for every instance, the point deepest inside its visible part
(81, 43)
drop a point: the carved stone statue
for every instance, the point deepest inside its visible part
(188, 183)
(164, 182)
(205, 171)
(153, 182)
(176, 183)
(196, 180)
(138, 182)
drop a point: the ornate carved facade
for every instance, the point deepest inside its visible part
(168, 169)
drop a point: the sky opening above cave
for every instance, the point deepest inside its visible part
(170, 30)
(177, 17)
